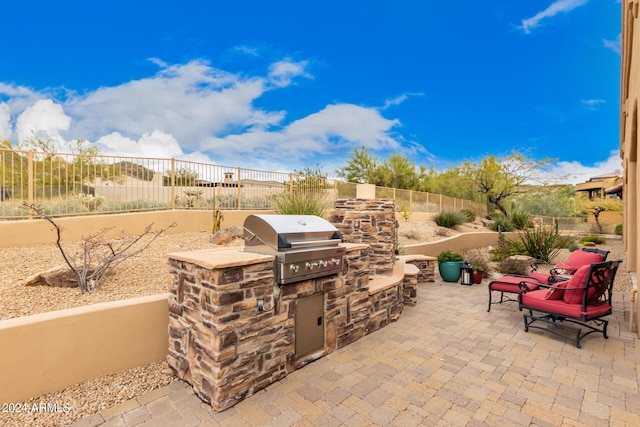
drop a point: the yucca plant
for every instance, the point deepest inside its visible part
(521, 220)
(543, 243)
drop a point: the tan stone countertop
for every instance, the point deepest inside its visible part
(227, 257)
(216, 258)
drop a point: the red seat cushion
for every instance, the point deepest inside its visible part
(536, 300)
(512, 284)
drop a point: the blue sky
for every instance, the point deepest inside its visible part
(281, 85)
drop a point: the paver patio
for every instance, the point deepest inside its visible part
(445, 362)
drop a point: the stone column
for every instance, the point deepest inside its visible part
(371, 222)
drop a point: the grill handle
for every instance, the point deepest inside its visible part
(314, 243)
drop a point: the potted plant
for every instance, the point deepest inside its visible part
(479, 264)
(477, 274)
(450, 266)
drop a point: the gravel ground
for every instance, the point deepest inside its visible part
(140, 276)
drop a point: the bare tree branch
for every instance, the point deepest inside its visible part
(100, 256)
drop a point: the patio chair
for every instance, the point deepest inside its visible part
(575, 260)
(511, 283)
(580, 303)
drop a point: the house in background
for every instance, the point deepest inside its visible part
(629, 96)
(601, 186)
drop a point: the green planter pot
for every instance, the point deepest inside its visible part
(450, 271)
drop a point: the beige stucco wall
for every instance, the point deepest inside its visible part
(38, 231)
(608, 219)
(629, 95)
(47, 352)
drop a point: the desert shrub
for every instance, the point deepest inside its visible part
(405, 211)
(543, 243)
(411, 234)
(449, 219)
(513, 266)
(98, 255)
(477, 259)
(589, 244)
(501, 223)
(593, 238)
(506, 248)
(298, 203)
(618, 229)
(90, 201)
(521, 220)
(468, 214)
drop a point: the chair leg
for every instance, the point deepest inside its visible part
(634, 295)
(489, 308)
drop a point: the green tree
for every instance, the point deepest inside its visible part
(450, 182)
(497, 179)
(399, 172)
(310, 180)
(362, 167)
(554, 201)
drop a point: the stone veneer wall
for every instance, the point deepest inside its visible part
(372, 222)
(226, 349)
(425, 264)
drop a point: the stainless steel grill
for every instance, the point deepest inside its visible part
(305, 246)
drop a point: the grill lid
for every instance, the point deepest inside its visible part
(282, 232)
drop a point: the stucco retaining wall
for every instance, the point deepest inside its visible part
(39, 231)
(47, 352)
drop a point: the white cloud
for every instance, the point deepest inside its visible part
(153, 144)
(189, 101)
(19, 97)
(247, 50)
(592, 104)
(614, 45)
(5, 121)
(197, 112)
(399, 100)
(559, 6)
(336, 128)
(283, 72)
(44, 119)
(575, 172)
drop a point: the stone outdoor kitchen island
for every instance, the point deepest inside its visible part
(228, 346)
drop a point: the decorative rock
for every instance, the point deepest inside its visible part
(60, 276)
(227, 236)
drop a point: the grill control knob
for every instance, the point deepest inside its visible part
(294, 268)
(324, 262)
(335, 261)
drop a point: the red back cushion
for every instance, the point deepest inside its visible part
(579, 258)
(557, 292)
(578, 280)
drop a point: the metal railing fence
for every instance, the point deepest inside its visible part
(80, 184)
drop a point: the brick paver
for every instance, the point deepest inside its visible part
(446, 361)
